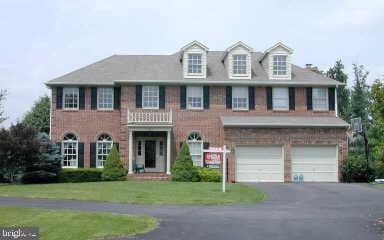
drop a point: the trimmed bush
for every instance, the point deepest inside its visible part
(183, 169)
(80, 175)
(355, 169)
(113, 168)
(209, 174)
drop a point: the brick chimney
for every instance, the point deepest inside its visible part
(308, 66)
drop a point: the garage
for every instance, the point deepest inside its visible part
(316, 163)
(260, 163)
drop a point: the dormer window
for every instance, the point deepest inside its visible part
(194, 63)
(280, 65)
(239, 64)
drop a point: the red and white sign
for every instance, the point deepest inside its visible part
(213, 159)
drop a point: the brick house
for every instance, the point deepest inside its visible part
(279, 120)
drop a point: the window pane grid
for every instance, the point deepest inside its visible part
(103, 147)
(194, 63)
(105, 98)
(239, 64)
(239, 98)
(280, 65)
(320, 98)
(280, 99)
(150, 97)
(195, 97)
(70, 151)
(71, 98)
(195, 142)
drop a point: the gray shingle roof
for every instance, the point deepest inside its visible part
(167, 69)
(282, 121)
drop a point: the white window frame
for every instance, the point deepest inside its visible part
(195, 138)
(280, 94)
(238, 64)
(101, 96)
(195, 64)
(194, 93)
(64, 146)
(317, 99)
(278, 63)
(240, 93)
(103, 141)
(75, 92)
(147, 90)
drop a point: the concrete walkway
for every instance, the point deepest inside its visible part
(291, 211)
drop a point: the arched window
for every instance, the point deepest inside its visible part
(70, 150)
(103, 147)
(195, 143)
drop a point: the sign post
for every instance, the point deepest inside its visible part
(224, 167)
(214, 157)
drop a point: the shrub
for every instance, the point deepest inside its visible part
(113, 168)
(208, 174)
(183, 169)
(355, 169)
(379, 168)
(80, 175)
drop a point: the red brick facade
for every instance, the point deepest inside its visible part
(88, 124)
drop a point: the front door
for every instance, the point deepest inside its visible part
(150, 154)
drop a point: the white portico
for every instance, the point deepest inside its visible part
(149, 140)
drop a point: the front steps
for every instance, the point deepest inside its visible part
(148, 177)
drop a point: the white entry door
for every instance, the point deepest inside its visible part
(315, 162)
(261, 163)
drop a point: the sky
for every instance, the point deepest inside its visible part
(41, 40)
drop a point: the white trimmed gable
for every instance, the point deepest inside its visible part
(238, 48)
(267, 61)
(188, 50)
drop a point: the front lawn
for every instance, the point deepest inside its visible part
(65, 224)
(139, 192)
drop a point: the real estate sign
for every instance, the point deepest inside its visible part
(213, 158)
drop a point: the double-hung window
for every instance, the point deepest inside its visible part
(151, 97)
(320, 99)
(195, 97)
(70, 151)
(194, 63)
(71, 98)
(280, 98)
(239, 66)
(195, 144)
(240, 98)
(103, 147)
(105, 98)
(279, 65)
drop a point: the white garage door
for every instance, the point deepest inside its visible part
(260, 163)
(315, 163)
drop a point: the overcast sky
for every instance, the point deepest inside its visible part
(41, 40)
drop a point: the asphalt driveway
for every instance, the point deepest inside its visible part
(291, 211)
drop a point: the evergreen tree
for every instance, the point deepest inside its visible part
(113, 168)
(38, 116)
(343, 93)
(3, 93)
(360, 95)
(183, 169)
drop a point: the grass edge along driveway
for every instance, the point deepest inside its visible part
(133, 192)
(79, 225)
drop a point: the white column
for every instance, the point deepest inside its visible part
(169, 152)
(336, 107)
(130, 151)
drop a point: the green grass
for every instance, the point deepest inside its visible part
(171, 193)
(65, 224)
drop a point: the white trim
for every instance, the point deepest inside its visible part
(78, 98)
(194, 43)
(237, 96)
(158, 97)
(274, 97)
(336, 104)
(190, 88)
(326, 99)
(98, 97)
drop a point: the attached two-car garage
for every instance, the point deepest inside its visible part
(265, 163)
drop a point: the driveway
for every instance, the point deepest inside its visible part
(291, 211)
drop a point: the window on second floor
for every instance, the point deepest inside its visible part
(279, 65)
(280, 98)
(320, 99)
(71, 98)
(105, 98)
(194, 63)
(240, 98)
(195, 97)
(150, 97)
(239, 64)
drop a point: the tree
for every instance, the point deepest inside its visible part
(183, 169)
(113, 168)
(3, 94)
(18, 146)
(360, 95)
(343, 93)
(376, 131)
(38, 116)
(47, 167)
